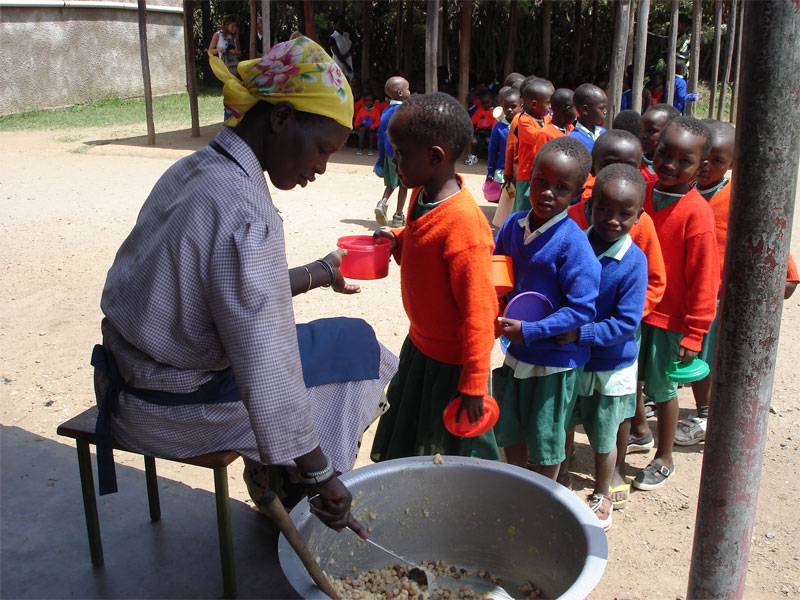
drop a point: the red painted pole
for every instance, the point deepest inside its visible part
(765, 171)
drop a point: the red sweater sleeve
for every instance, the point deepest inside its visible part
(578, 214)
(701, 273)
(644, 235)
(528, 128)
(511, 149)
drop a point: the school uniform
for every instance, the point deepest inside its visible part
(536, 386)
(585, 135)
(385, 148)
(527, 129)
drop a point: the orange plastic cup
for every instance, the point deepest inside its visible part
(502, 274)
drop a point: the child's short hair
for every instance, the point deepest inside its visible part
(437, 119)
(693, 126)
(508, 92)
(585, 93)
(514, 80)
(573, 148)
(628, 120)
(622, 172)
(670, 111)
(680, 67)
(609, 137)
(535, 87)
(720, 131)
(561, 98)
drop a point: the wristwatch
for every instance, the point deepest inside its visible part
(319, 477)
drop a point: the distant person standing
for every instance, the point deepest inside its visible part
(260, 38)
(225, 44)
(342, 48)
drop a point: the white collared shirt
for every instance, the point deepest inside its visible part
(524, 222)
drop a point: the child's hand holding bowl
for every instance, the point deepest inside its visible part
(511, 329)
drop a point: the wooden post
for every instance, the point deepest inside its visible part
(578, 41)
(694, 71)
(595, 41)
(717, 44)
(513, 7)
(366, 30)
(431, 45)
(191, 75)
(308, 20)
(408, 39)
(640, 54)
(253, 17)
(618, 59)
(463, 47)
(442, 37)
(735, 89)
(148, 92)
(547, 18)
(631, 34)
(723, 92)
(266, 42)
(399, 35)
(669, 82)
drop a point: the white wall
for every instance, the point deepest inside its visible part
(58, 56)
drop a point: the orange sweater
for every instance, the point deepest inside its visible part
(374, 114)
(540, 138)
(526, 133)
(446, 284)
(512, 142)
(483, 119)
(688, 243)
(643, 235)
(588, 186)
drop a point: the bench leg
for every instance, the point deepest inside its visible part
(152, 488)
(90, 503)
(225, 531)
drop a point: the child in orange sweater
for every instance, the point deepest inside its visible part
(367, 120)
(536, 94)
(444, 254)
(675, 328)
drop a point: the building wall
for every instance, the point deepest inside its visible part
(59, 56)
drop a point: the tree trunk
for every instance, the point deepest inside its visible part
(266, 41)
(717, 44)
(547, 18)
(694, 72)
(595, 41)
(408, 39)
(253, 16)
(735, 90)
(723, 92)
(463, 46)
(618, 59)
(431, 45)
(669, 83)
(205, 40)
(442, 37)
(366, 27)
(308, 20)
(191, 75)
(631, 34)
(148, 92)
(399, 25)
(640, 55)
(513, 7)
(576, 49)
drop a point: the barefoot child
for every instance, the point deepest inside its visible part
(607, 390)
(591, 102)
(675, 328)
(445, 277)
(397, 90)
(536, 386)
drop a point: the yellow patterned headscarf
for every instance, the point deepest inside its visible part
(298, 71)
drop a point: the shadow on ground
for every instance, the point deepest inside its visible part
(45, 553)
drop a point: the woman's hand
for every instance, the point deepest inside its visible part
(472, 406)
(339, 284)
(380, 233)
(511, 329)
(331, 505)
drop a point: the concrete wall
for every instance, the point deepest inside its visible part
(58, 56)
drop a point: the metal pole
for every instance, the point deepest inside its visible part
(640, 53)
(618, 59)
(148, 91)
(431, 46)
(463, 43)
(762, 205)
(694, 71)
(191, 75)
(669, 82)
(735, 88)
(728, 59)
(715, 60)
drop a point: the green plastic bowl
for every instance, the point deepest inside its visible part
(685, 373)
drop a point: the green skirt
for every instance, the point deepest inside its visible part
(522, 198)
(413, 425)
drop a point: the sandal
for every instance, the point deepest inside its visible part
(653, 476)
(622, 488)
(603, 508)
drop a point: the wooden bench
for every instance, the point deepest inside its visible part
(81, 429)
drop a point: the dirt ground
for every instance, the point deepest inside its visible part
(71, 198)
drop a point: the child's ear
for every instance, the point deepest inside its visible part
(436, 156)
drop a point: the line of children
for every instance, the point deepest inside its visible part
(536, 94)
(511, 105)
(398, 92)
(444, 254)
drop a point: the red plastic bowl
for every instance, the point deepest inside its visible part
(491, 412)
(365, 259)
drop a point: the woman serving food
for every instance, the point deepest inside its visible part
(200, 349)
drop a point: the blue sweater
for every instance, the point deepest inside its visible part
(385, 148)
(612, 335)
(561, 265)
(679, 99)
(497, 147)
(585, 139)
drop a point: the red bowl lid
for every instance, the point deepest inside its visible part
(491, 412)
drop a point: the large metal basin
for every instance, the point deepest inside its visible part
(467, 512)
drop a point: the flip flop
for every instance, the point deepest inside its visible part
(623, 487)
